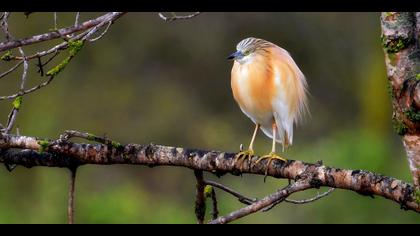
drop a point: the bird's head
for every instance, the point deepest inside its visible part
(248, 48)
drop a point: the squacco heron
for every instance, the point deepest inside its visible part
(271, 90)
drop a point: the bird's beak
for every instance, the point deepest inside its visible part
(235, 55)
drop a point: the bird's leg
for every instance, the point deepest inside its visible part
(272, 155)
(250, 152)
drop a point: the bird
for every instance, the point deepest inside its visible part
(271, 90)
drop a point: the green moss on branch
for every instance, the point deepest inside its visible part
(394, 44)
(43, 145)
(74, 47)
(399, 127)
(17, 102)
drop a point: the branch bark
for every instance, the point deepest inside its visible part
(62, 153)
(400, 41)
(200, 200)
(72, 185)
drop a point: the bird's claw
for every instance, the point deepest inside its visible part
(240, 156)
(271, 156)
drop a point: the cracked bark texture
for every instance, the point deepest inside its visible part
(68, 154)
(400, 41)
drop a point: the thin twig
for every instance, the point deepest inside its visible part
(54, 49)
(25, 69)
(102, 34)
(68, 134)
(176, 17)
(70, 206)
(41, 65)
(5, 26)
(55, 21)
(11, 69)
(248, 201)
(109, 19)
(76, 21)
(39, 86)
(200, 201)
(280, 200)
(58, 47)
(317, 197)
(303, 201)
(267, 201)
(61, 32)
(243, 199)
(45, 83)
(215, 210)
(11, 118)
(16, 105)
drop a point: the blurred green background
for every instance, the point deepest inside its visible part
(169, 83)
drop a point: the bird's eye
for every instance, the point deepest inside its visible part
(246, 53)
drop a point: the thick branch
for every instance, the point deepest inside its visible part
(400, 39)
(65, 154)
(59, 33)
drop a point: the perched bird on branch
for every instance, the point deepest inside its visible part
(270, 89)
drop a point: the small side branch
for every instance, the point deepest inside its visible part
(200, 200)
(11, 69)
(248, 201)
(243, 199)
(72, 184)
(31, 90)
(5, 26)
(267, 201)
(59, 33)
(313, 199)
(102, 34)
(215, 210)
(175, 17)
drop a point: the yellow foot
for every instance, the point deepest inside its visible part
(271, 156)
(248, 154)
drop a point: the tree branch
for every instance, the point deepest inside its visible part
(215, 210)
(11, 69)
(244, 199)
(62, 153)
(60, 33)
(400, 41)
(70, 205)
(267, 201)
(175, 17)
(317, 197)
(200, 200)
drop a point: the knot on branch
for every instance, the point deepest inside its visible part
(408, 195)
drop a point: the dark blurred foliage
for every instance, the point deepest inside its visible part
(169, 83)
